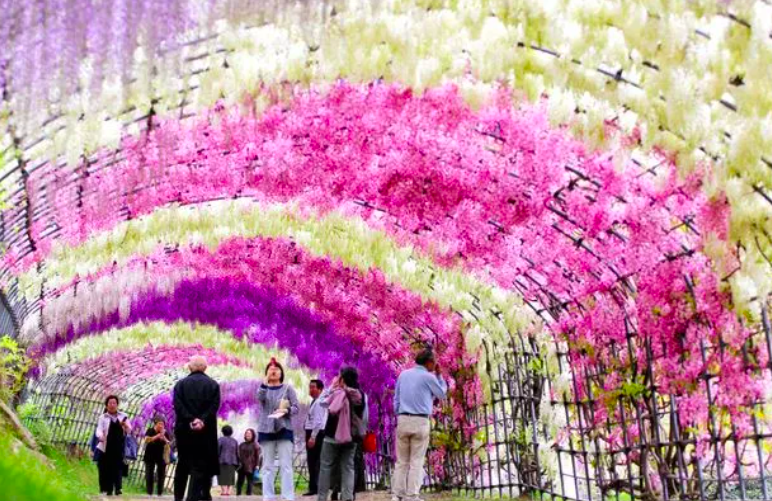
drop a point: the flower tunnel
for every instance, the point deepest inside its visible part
(577, 222)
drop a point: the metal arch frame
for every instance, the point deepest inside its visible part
(416, 334)
(504, 465)
(9, 324)
(82, 383)
(191, 67)
(519, 389)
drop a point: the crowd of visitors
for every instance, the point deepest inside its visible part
(335, 428)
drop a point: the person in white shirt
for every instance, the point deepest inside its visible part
(314, 426)
(111, 431)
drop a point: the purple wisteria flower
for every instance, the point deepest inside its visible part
(251, 312)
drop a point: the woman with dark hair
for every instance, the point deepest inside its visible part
(278, 403)
(345, 403)
(229, 460)
(249, 460)
(157, 440)
(112, 428)
(360, 480)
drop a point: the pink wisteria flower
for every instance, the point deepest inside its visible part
(612, 254)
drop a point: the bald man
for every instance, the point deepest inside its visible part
(196, 402)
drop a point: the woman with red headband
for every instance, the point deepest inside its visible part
(278, 403)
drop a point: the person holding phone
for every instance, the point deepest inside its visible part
(277, 402)
(112, 428)
(345, 402)
(414, 397)
(157, 439)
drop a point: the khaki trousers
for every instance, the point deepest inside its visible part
(412, 443)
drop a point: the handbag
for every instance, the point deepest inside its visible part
(359, 424)
(256, 475)
(130, 448)
(167, 454)
(370, 442)
(95, 452)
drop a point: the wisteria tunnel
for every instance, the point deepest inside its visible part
(571, 201)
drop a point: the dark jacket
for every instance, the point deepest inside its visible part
(228, 451)
(197, 396)
(154, 451)
(249, 456)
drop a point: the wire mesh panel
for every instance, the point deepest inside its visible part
(552, 425)
(532, 438)
(8, 323)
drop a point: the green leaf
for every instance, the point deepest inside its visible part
(633, 389)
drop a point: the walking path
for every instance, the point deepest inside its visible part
(365, 496)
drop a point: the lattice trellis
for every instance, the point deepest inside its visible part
(513, 457)
(69, 403)
(195, 58)
(510, 455)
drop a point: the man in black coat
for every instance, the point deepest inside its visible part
(196, 402)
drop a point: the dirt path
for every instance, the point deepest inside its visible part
(365, 496)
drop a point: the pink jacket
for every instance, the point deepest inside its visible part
(340, 404)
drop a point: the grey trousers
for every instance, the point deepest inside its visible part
(343, 454)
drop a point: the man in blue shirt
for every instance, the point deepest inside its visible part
(413, 402)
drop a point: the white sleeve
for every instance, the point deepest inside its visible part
(318, 419)
(101, 432)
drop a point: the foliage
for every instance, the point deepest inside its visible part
(25, 478)
(148, 334)
(711, 69)
(236, 397)
(13, 366)
(30, 414)
(392, 320)
(628, 261)
(384, 331)
(78, 474)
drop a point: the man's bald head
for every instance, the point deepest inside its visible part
(197, 364)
